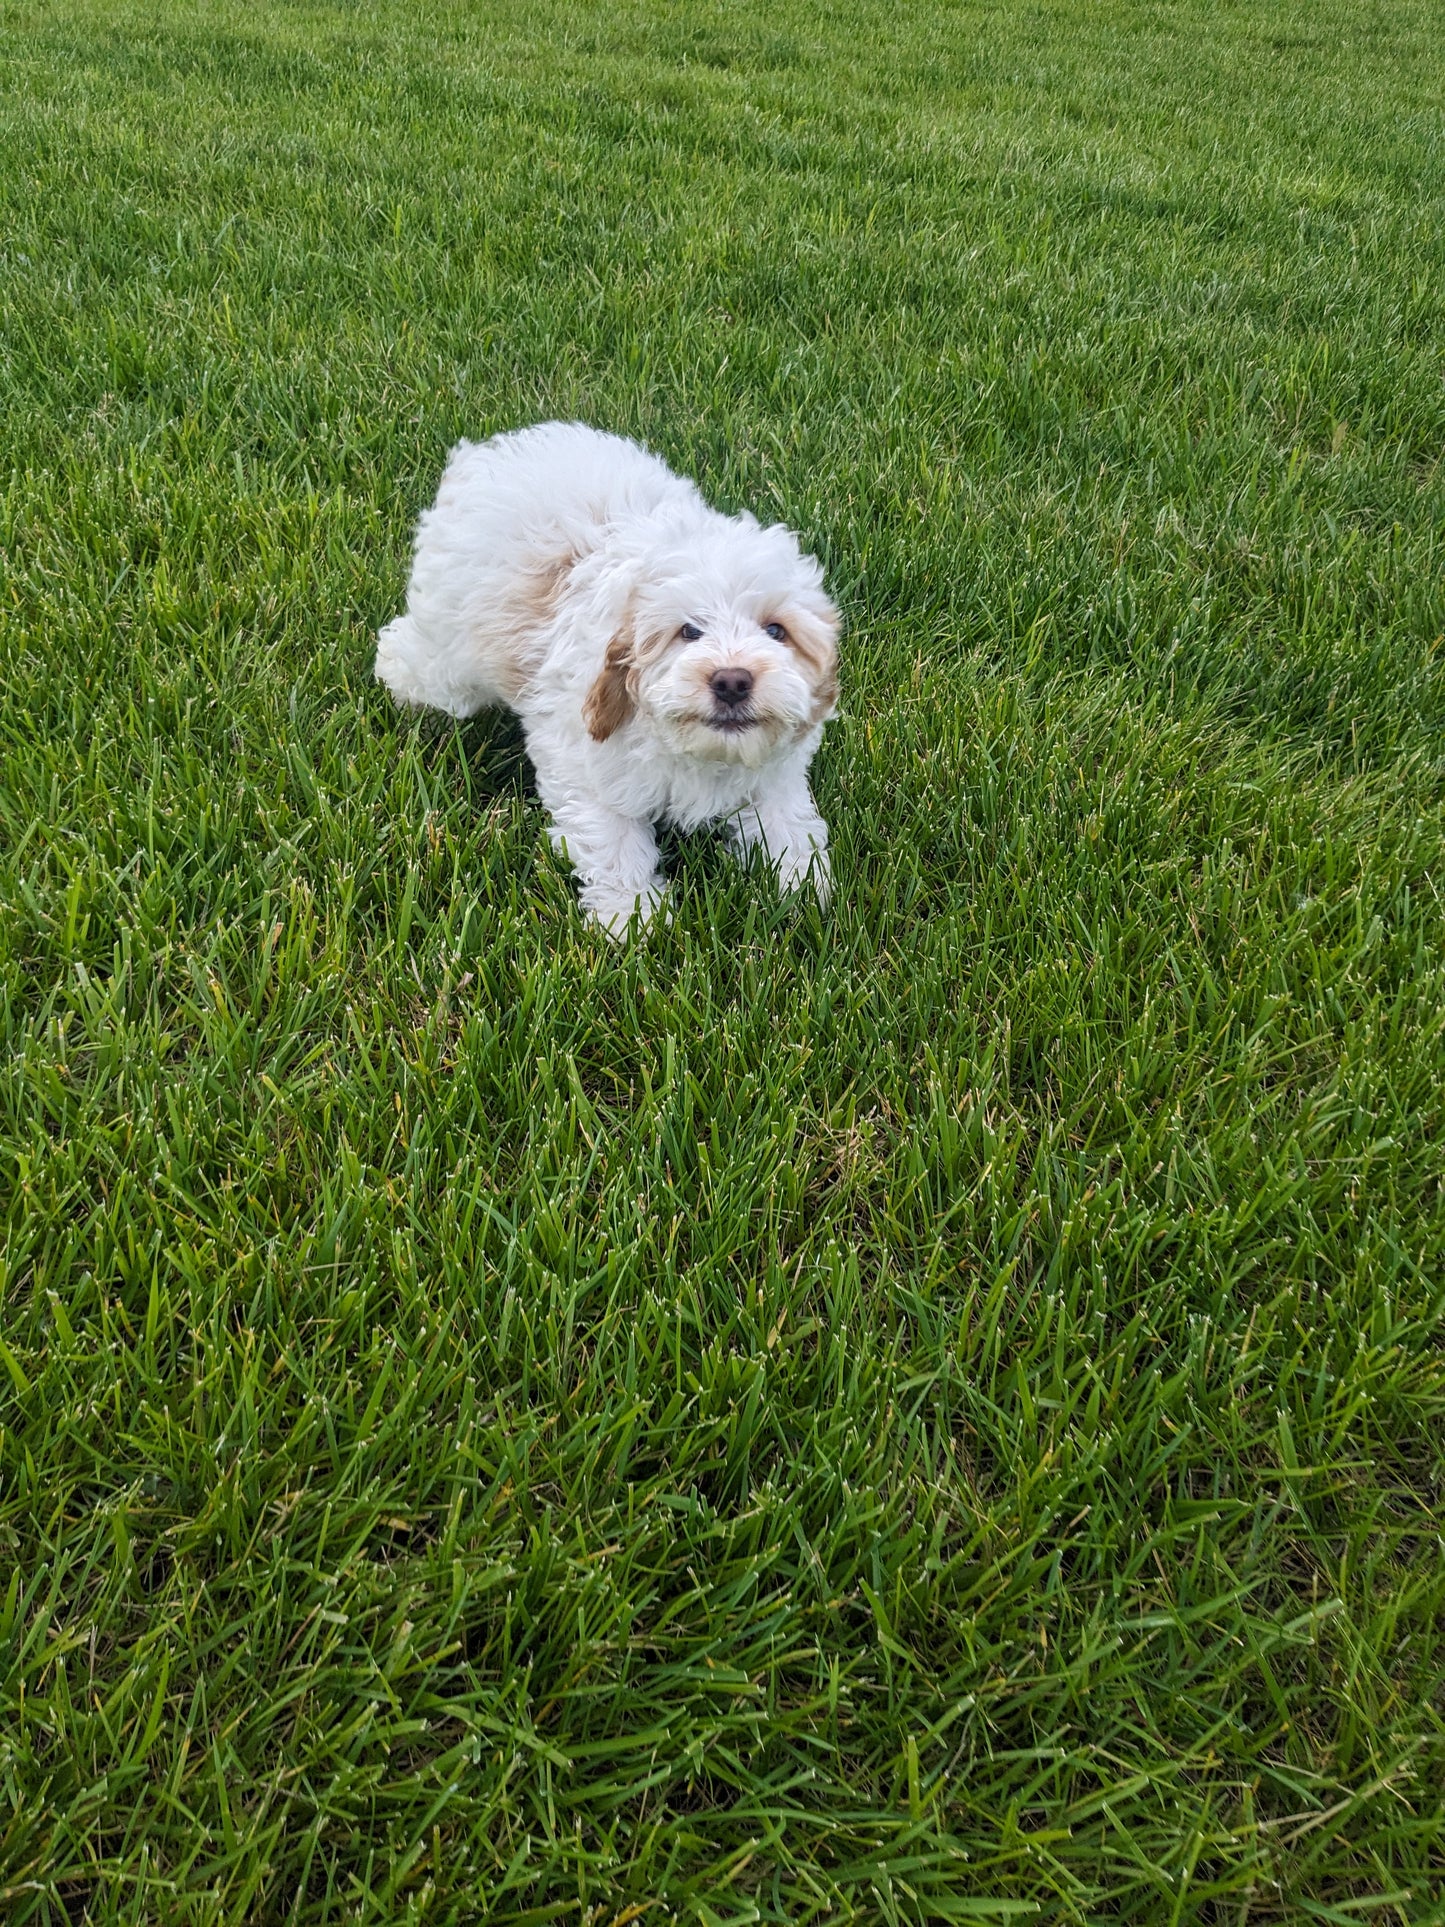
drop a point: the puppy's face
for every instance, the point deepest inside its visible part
(737, 683)
(730, 651)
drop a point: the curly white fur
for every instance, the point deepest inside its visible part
(668, 663)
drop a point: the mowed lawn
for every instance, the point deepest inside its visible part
(933, 1410)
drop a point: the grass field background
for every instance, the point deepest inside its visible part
(929, 1411)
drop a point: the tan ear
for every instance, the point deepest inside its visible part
(609, 702)
(813, 637)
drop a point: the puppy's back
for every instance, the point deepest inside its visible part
(511, 519)
(559, 475)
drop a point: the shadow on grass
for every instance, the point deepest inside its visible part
(489, 750)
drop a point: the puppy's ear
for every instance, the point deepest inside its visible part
(813, 636)
(609, 702)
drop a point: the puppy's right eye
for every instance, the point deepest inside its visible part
(690, 632)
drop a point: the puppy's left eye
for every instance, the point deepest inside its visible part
(690, 632)
(776, 631)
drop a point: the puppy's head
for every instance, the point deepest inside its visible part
(729, 649)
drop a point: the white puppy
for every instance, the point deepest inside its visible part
(668, 663)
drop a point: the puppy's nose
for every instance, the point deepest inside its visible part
(731, 686)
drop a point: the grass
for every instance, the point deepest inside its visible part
(926, 1412)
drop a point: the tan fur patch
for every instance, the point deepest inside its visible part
(540, 591)
(530, 607)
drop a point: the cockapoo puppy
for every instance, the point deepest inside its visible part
(668, 663)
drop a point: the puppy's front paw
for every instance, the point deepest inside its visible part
(614, 910)
(800, 868)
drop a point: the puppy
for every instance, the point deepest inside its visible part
(668, 663)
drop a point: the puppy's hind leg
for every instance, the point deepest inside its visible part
(615, 858)
(423, 674)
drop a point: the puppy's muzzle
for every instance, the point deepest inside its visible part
(731, 689)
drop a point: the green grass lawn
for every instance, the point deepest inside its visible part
(933, 1410)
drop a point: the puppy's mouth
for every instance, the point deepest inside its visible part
(732, 722)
